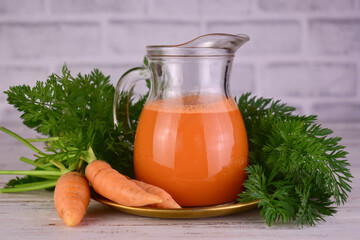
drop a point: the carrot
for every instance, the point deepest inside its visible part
(109, 183)
(167, 200)
(71, 197)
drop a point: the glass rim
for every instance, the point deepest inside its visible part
(214, 44)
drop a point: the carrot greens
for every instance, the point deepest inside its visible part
(296, 169)
(74, 113)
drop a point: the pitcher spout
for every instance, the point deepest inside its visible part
(230, 43)
(205, 45)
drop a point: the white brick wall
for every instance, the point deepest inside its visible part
(48, 39)
(306, 5)
(306, 52)
(97, 6)
(335, 36)
(301, 79)
(121, 34)
(221, 8)
(22, 7)
(268, 37)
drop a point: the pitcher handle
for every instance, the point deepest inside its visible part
(124, 87)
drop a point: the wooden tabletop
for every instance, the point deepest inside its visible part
(32, 215)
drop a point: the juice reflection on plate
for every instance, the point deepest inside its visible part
(194, 147)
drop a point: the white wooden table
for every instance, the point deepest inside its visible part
(32, 215)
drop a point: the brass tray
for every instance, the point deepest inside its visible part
(183, 213)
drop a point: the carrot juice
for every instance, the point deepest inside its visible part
(194, 147)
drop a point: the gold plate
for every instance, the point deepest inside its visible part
(183, 213)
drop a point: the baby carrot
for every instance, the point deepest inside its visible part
(71, 197)
(109, 183)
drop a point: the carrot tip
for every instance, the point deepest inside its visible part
(158, 199)
(70, 221)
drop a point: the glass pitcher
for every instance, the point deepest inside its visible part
(190, 139)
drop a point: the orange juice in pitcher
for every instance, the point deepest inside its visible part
(184, 149)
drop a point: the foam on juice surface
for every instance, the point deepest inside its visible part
(194, 103)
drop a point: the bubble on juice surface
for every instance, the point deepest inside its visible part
(194, 103)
